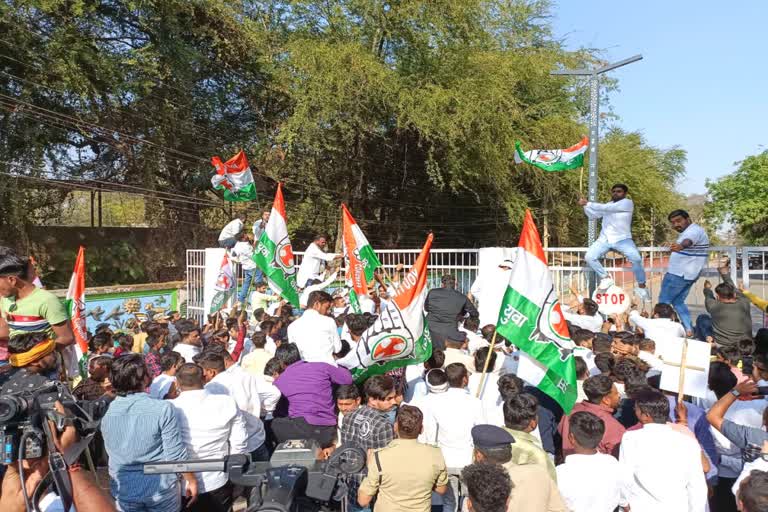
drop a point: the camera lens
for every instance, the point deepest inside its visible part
(10, 407)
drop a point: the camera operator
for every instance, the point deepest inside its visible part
(137, 430)
(86, 494)
(32, 356)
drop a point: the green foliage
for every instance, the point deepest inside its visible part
(407, 111)
(741, 198)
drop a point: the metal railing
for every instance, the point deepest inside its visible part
(569, 270)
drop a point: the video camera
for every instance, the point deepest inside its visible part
(23, 426)
(294, 480)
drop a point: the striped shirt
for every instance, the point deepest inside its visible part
(138, 429)
(689, 262)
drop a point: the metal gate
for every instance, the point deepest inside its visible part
(748, 264)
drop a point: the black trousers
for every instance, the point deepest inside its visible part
(285, 429)
(723, 499)
(219, 500)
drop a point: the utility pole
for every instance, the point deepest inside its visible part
(545, 215)
(594, 125)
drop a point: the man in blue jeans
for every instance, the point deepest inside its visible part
(688, 257)
(615, 235)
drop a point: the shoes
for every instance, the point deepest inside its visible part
(605, 283)
(643, 294)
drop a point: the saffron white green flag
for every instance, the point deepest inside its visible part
(531, 318)
(75, 304)
(224, 287)
(399, 336)
(360, 259)
(233, 178)
(553, 159)
(274, 253)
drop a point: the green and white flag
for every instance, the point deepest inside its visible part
(233, 178)
(553, 159)
(274, 254)
(399, 336)
(531, 318)
(224, 287)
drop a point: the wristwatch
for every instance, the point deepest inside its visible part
(735, 392)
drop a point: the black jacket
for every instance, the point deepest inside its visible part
(445, 307)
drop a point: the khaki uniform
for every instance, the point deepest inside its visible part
(409, 472)
(533, 490)
(527, 450)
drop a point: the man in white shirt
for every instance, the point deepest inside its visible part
(590, 481)
(231, 232)
(586, 315)
(451, 416)
(689, 255)
(314, 285)
(314, 261)
(489, 394)
(660, 327)
(260, 225)
(244, 389)
(666, 473)
(314, 333)
(615, 235)
(242, 253)
(211, 427)
(190, 343)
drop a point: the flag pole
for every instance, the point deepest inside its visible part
(681, 381)
(485, 366)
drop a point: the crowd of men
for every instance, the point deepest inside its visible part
(437, 434)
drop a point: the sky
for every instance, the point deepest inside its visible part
(703, 80)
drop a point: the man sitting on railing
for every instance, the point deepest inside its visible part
(615, 235)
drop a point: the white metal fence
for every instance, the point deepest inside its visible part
(747, 264)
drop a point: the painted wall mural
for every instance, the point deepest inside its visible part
(116, 308)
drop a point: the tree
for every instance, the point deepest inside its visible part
(741, 198)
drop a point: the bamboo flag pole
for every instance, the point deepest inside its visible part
(681, 382)
(485, 366)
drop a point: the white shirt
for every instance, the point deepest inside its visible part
(617, 219)
(448, 423)
(590, 323)
(160, 386)
(366, 304)
(243, 252)
(211, 427)
(665, 469)
(187, 351)
(489, 396)
(475, 342)
(657, 329)
(759, 465)
(269, 395)
(244, 388)
(689, 262)
(316, 337)
(591, 483)
(304, 297)
(312, 264)
(231, 230)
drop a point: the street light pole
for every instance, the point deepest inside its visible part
(594, 126)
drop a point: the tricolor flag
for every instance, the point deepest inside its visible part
(531, 318)
(75, 304)
(553, 159)
(399, 337)
(224, 287)
(233, 178)
(361, 261)
(274, 254)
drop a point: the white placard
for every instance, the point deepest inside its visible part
(670, 350)
(612, 301)
(213, 257)
(491, 282)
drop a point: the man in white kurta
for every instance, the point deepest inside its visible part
(615, 235)
(314, 261)
(314, 333)
(664, 464)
